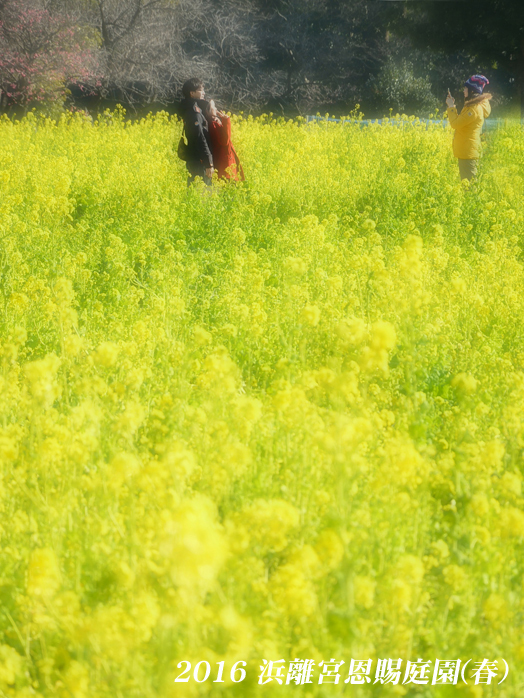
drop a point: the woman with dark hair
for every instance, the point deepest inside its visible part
(468, 124)
(225, 159)
(199, 160)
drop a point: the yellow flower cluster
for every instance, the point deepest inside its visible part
(279, 419)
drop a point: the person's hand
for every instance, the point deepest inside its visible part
(209, 172)
(450, 101)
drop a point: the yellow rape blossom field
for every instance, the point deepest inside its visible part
(281, 420)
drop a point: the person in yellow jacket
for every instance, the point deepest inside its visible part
(468, 124)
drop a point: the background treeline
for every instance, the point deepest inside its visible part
(285, 56)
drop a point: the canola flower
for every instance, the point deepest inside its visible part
(284, 420)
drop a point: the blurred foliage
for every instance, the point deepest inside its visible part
(277, 419)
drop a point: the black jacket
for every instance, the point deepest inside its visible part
(197, 133)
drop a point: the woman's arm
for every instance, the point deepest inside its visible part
(457, 120)
(225, 130)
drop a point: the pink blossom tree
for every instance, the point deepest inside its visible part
(42, 50)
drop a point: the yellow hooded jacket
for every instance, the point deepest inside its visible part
(468, 126)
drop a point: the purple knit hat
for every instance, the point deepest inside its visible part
(476, 83)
